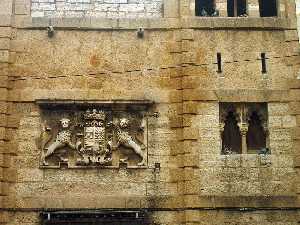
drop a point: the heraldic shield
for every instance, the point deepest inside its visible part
(92, 145)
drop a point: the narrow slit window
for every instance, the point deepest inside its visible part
(268, 8)
(219, 61)
(263, 63)
(237, 8)
(205, 8)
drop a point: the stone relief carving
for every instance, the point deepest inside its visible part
(92, 144)
(124, 138)
(94, 137)
(63, 139)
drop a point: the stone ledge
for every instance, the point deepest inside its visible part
(77, 96)
(104, 202)
(253, 95)
(156, 23)
(236, 23)
(118, 103)
(241, 95)
(176, 96)
(182, 202)
(242, 202)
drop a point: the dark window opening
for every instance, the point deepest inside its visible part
(268, 8)
(263, 63)
(219, 61)
(237, 8)
(231, 137)
(205, 8)
(256, 136)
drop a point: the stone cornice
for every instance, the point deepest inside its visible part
(28, 22)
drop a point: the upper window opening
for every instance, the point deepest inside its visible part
(206, 8)
(268, 8)
(237, 8)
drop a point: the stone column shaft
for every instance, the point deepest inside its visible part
(244, 130)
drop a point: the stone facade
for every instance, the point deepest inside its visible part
(135, 106)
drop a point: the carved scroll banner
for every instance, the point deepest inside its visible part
(93, 137)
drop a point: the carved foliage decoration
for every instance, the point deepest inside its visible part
(93, 137)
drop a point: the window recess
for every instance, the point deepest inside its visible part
(244, 128)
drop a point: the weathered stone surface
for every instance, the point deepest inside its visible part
(96, 55)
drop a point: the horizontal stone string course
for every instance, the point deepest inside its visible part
(97, 8)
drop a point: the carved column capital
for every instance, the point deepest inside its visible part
(243, 128)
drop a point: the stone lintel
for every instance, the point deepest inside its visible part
(112, 104)
(242, 203)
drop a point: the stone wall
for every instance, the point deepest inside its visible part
(7, 170)
(174, 66)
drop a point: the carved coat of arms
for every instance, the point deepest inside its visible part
(93, 139)
(93, 145)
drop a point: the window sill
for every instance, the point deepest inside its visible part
(237, 22)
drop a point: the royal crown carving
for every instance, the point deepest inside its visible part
(94, 115)
(93, 137)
